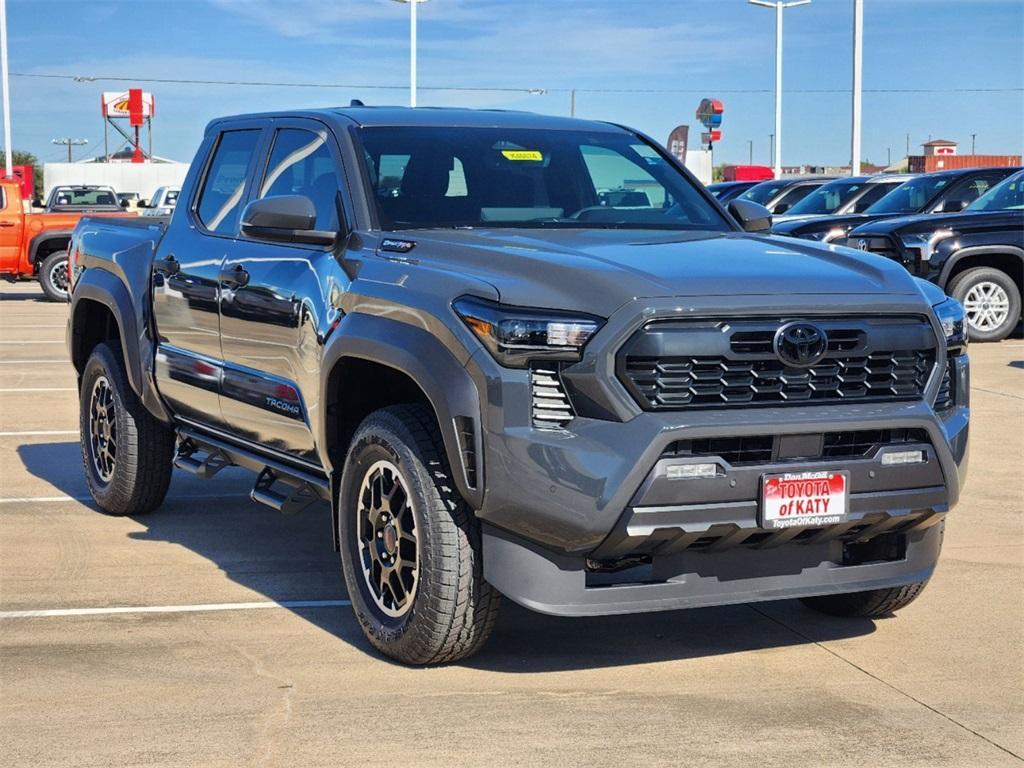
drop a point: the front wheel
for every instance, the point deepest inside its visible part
(126, 453)
(410, 546)
(53, 276)
(991, 300)
(872, 603)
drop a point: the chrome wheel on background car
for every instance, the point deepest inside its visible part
(991, 300)
(102, 430)
(987, 305)
(388, 539)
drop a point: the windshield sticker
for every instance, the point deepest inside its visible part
(523, 154)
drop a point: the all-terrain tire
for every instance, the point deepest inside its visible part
(135, 480)
(872, 603)
(451, 609)
(977, 280)
(50, 281)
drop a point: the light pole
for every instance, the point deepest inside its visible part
(8, 159)
(778, 5)
(750, 146)
(973, 136)
(771, 149)
(412, 48)
(858, 46)
(69, 143)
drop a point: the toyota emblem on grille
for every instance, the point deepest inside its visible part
(800, 344)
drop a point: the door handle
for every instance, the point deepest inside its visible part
(7, 224)
(234, 276)
(168, 266)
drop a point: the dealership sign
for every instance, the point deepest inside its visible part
(133, 103)
(709, 113)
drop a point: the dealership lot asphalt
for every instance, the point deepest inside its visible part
(255, 683)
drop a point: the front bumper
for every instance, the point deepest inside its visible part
(562, 507)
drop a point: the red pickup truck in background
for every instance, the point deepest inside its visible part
(35, 243)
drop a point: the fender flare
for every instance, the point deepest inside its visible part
(978, 250)
(422, 357)
(104, 288)
(45, 237)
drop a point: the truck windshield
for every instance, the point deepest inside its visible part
(1006, 196)
(828, 198)
(511, 177)
(70, 196)
(763, 192)
(912, 196)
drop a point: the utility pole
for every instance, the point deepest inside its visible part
(750, 144)
(973, 135)
(908, 147)
(858, 60)
(888, 156)
(778, 5)
(412, 48)
(69, 143)
(8, 151)
(572, 103)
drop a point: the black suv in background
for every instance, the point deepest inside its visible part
(976, 256)
(941, 192)
(724, 191)
(779, 195)
(853, 194)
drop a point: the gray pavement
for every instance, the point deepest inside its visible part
(770, 684)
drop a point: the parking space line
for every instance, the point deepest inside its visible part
(36, 432)
(86, 497)
(38, 389)
(200, 608)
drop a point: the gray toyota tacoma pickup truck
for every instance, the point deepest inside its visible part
(524, 356)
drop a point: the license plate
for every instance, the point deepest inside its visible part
(804, 498)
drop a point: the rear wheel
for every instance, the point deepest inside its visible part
(410, 546)
(872, 603)
(126, 453)
(991, 300)
(53, 276)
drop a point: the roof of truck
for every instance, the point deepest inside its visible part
(423, 117)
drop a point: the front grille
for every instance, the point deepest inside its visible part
(550, 406)
(771, 449)
(677, 365)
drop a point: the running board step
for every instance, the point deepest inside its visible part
(291, 495)
(202, 466)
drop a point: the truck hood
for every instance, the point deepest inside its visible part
(597, 271)
(931, 221)
(803, 227)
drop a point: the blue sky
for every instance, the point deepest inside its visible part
(708, 47)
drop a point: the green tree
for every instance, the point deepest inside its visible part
(20, 157)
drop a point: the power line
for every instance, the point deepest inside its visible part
(492, 89)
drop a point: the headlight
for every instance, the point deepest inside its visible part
(515, 335)
(925, 242)
(952, 318)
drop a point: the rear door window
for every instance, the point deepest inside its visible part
(220, 199)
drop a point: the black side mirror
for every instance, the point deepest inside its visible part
(38, 202)
(752, 216)
(284, 218)
(142, 204)
(123, 203)
(780, 209)
(954, 206)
